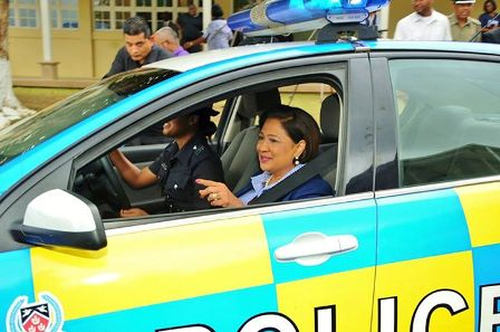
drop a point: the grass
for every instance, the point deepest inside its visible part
(39, 98)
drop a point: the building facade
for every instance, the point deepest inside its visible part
(85, 35)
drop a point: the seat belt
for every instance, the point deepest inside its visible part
(310, 170)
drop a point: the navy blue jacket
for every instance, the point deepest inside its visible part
(315, 187)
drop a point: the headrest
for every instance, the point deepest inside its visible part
(330, 118)
(255, 103)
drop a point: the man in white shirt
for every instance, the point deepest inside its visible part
(424, 24)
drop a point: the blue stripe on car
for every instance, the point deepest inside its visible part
(351, 218)
(222, 312)
(486, 271)
(17, 266)
(421, 225)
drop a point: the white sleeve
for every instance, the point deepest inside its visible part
(399, 33)
(447, 31)
(208, 31)
(229, 33)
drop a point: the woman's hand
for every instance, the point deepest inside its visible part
(218, 194)
(134, 212)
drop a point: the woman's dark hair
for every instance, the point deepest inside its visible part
(493, 3)
(299, 125)
(217, 11)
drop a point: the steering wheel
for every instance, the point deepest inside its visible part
(117, 198)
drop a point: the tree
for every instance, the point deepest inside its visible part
(10, 108)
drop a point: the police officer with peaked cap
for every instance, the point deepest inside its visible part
(176, 169)
(463, 27)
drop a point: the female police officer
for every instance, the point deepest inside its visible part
(187, 158)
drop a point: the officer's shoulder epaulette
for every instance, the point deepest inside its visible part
(198, 150)
(474, 21)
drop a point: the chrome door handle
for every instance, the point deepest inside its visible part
(315, 248)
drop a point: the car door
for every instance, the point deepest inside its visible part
(307, 265)
(437, 192)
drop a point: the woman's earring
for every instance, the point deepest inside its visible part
(296, 161)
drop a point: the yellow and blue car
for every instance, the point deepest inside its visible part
(410, 242)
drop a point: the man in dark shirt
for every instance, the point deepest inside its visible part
(186, 159)
(192, 26)
(139, 49)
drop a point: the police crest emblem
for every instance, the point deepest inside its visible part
(46, 315)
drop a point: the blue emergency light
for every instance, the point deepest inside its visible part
(274, 17)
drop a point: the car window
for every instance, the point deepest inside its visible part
(308, 96)
(30, 132)
(107, 189)
(448, 115)
(318, 99)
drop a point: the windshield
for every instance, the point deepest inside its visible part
(31, 131)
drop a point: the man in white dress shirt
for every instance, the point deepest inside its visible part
(424, 24)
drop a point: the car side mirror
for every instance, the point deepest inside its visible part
(62, 218)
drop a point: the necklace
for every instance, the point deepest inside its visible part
(266, 184)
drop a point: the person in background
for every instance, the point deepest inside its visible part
(187, 158)
(424, 24)
(489, 19)
(463, 27)
(168, 39)
(139, 49)
(218, 34)
(289, 138)
(174, 26)
(492, 36)
(192, 26)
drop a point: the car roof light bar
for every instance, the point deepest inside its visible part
(277, 17)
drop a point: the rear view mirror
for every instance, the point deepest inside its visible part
(61, 218)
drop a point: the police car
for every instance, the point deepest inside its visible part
(410, 242)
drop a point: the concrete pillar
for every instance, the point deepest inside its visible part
(384, 21)
(207, 13)
(49, 67)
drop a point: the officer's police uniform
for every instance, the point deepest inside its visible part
(178, 170)
(469, 30)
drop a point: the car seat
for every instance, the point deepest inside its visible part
(239, 161)
(330, 124)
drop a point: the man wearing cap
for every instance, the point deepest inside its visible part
(186, 159)
(463, 27)
(424, 24)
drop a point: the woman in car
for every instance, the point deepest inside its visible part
(289, 138)
(187, 158)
